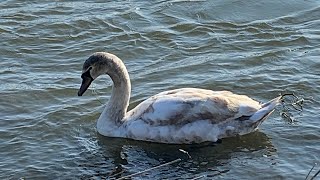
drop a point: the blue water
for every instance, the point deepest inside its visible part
(251, 47)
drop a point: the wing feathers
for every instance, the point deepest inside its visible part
(182, 106)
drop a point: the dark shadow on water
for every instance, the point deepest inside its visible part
(119, 157)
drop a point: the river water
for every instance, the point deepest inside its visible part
(257, 48)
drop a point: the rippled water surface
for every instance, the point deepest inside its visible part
(258, 48)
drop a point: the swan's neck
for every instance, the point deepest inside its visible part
(116, 108)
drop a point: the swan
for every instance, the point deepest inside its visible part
(179, 116)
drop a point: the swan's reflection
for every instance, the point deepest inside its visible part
(130, 156)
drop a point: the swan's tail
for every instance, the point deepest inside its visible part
(266, 110)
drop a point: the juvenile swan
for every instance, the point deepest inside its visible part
(179, 116)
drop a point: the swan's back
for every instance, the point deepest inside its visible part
(181, 106)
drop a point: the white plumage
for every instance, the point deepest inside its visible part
(180, 116)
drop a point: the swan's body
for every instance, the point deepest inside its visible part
(179, 116)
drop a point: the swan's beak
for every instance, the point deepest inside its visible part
(86, 81)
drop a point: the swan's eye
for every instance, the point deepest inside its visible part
(87, 74)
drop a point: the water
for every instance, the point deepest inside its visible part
(249, 47)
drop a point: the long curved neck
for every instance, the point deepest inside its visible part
(119, 100)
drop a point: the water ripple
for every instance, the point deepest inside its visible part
(248, 47)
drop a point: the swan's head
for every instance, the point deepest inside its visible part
(97, 64)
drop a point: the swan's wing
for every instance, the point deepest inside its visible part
(182, 106)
